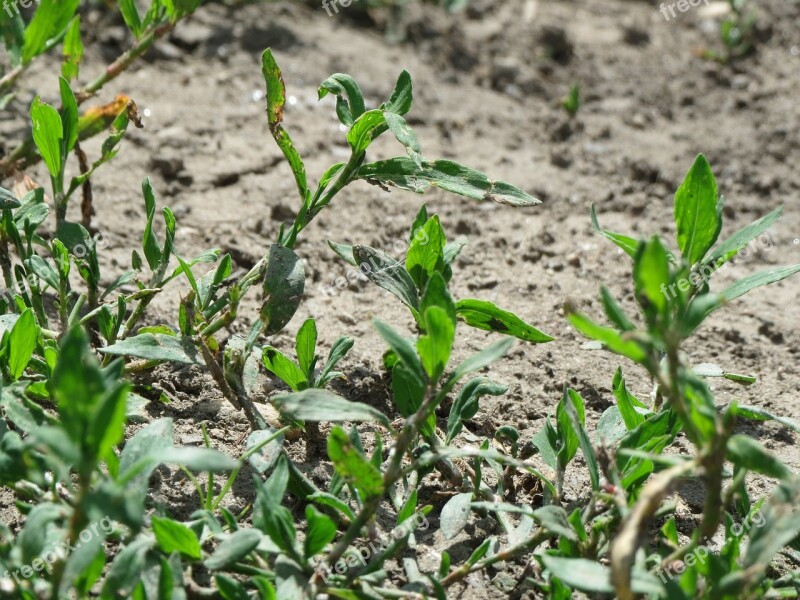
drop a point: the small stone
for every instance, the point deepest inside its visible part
(190, 34)
(641, 170)
(165, 51)
(168, 164)
(505, 70)
(194, 439)
(635, 35)
(281, 212)
(574, 260)
(561, 131)
(556, 43)
(560, 158)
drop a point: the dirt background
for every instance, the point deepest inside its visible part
(488, 84)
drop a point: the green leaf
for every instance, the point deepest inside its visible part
(284, 368)
(229, 588)
(479, 552)
(759, 414)
(321, 405)
(465, 406)
(590, 576)
(326, 499)
(404, 173)
(482, 359)
(405, 135)
(387, 273)
(554, 519)
(435, 346)
(455, 515)
(21, 343)
(567, 431)
(728, 249)
(402, 347)
(487, 316)
(424, 256)
(365, 129)
(8, 200)
(575, 412)
(698, 212)
(626, 402)
(126, 569)
(158, 347)
(748, 453)
(352, 465)
(276, 100)
(152, 250)
(73, 50)
(107, 422)
(614, 311)
(349, 99)
(48, 134)
(338, 351)
(131, 16)
(711, 370)
(233, 549)
(198, 459)
(320, 532)
(546, 441)
(343, 251)
(51, 18)
(402, 96)
(305, 346)
(613, 340)
(283, 287)
(437, 295)
(780, 525)
(141, 456)
(77, 384)
(750, 282)
(654, 434)
(69, 116)
(628, 244)
(651, 274)
(175, 537)
(699, 309)
(269, 443)
(408, 390)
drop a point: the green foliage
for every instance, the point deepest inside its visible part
(572, 103)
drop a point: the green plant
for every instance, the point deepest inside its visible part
(44, 367)
(737, 32)
(304, 375)
(572, 103)
(675, 298)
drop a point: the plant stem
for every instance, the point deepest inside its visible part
(625, 545)
(538, 537)
(392, 474)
